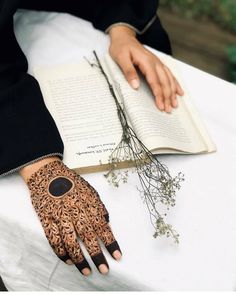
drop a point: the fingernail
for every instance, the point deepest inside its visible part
(69, 262)
(103, 268)
(116, 254)
(86, 271)
(134, 83)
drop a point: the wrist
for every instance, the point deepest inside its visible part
(121, 31)
(28, 170)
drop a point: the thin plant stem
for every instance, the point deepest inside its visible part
(157, 187)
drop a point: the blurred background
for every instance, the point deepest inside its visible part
(203, 34)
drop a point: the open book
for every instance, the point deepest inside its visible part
(78, 98)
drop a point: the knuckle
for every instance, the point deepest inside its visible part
(120, 55)
(146, 58)
(173, 97)
(159, 100)
(168, 96)
(130, 73)
(167, 100)
(166, 87)
(152, 81)
(164, 81)
(158, 92)
(174, 89)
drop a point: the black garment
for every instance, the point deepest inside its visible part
(28, 131)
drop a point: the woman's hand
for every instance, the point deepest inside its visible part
(69, 207)
(128, 52)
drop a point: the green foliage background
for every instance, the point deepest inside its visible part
(223, 12)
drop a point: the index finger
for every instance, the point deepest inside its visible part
(152, 79)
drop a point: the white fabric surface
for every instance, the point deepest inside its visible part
(205, 213)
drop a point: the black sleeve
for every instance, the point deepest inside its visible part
(28, 132)
(139, 14)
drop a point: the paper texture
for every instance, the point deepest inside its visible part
(84, 110)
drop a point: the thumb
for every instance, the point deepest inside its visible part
(128, 70)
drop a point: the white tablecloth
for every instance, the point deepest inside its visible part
(205, 213)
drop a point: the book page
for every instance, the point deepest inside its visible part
(79, 100)
(189, 105)
(158, 130)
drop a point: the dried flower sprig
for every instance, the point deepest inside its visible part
(157, 185)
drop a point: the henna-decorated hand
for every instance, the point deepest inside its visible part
(69, 207)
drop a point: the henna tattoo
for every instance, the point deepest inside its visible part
(68, 207)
